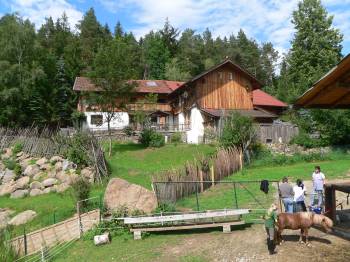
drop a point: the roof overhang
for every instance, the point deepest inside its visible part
(331, 91)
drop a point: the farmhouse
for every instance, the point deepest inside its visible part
(190, 107)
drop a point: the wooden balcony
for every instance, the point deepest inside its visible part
(149, 107)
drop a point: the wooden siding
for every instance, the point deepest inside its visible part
(149, 107)
(217, 91)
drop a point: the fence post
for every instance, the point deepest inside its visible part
(197, 196)
(80, 227)
(25, 241)
(278, 193)
(100, 208)
(212, 175)
(234, 188)
(54, 217)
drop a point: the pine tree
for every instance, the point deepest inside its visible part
(169, 35)
(316, 46)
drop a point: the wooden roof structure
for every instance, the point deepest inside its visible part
(332, 91)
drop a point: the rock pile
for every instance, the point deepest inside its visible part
(22, 175)
(293, 149)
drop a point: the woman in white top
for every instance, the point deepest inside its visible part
(299, 196)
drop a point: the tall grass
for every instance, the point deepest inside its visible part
(7, 252)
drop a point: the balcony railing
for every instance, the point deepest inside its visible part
(163, 127)
(149, 107)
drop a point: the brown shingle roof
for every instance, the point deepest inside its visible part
(142, 86)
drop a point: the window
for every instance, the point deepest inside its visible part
(161, 100)
(96, 120)
(151, 83)
(230, 76)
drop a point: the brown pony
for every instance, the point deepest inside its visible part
(302, 221)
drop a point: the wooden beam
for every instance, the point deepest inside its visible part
(183, 227)
(183, 217)
(340, 99)
(318, 94)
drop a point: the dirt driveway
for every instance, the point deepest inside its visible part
(248, 244)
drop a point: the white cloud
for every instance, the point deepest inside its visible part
(266, 20)
(38, 10)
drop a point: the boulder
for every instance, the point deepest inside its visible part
(62, 187)
(39, 176)
(42, 161)
(49, 182)
(51, 174)
(49, 190)
(31, 170)
(23, 182)
(19, 154)
(58, 166)
(46, 166)
(36, 192)
(66, 165)
(62, 176)
(119, 193)
(8, 175)
(36, 185)
(25, 161)
(55, 159)
(23, 218)
(7, 188)
(88, 172)
(19, 193)
(5, 214)
(7, 153)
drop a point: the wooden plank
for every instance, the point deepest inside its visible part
(182, 217)
(194, 226)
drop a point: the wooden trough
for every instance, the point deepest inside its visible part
(185, 221)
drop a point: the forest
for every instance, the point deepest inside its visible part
(38, 66)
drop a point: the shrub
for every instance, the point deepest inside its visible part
(304, 139)
(81, 191)
(165, 207)
(176, 138)
(76, 151)
(7, 253)
(18, 171)
(17, 148)
(128, 131)
(10, 164)
(157, 140)
(151, 138)
(210, 134)
(239, 131)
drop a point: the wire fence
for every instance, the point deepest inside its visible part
(220, 195)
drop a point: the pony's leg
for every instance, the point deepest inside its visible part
(279, 237)
(307, 237)
(301, 236)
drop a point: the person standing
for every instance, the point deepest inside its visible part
(286, 194)
(270, 222)
(299, 196)
(318, 181)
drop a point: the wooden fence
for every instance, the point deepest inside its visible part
(277, 132)
(214, 168)
(49, 142)
(64, 231)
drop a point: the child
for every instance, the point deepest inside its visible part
(270, 221)
(299, 196)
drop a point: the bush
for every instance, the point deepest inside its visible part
(176, 138)
(151, 138)
(128, 131)
(81, 191)
(10, 164)
(17, 148)
(76, 151)
(239, 131)
(7, 253)
(165, 207)
(304, 139)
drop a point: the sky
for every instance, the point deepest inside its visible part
(263, 20)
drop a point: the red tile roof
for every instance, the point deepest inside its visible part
(260, 98)
(143, 86)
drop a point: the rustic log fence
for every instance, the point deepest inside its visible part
(49, 142)
(214, 168)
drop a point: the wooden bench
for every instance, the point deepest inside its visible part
(144, 223)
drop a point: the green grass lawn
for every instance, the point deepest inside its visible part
(137, 164)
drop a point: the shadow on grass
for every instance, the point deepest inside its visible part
(121, 148)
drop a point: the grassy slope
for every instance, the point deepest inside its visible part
(136, 164)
